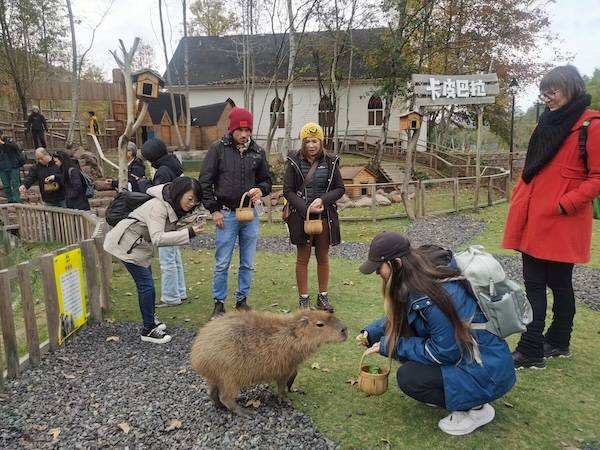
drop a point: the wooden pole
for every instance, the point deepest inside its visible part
(105, 270)
(50, 299)
(33, 340)
(88, 249)
(478, 156)
(9, 336)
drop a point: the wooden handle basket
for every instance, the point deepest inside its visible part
(373, 383)
(244, 213)
(313, 226)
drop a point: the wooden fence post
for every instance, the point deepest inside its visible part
(33, 340)
(269, 209)
(105, 270)
(422, 194)
(88, 249)
(490, 191)
(9, 335)
(455, 195)
(373, 201)
(50, 299)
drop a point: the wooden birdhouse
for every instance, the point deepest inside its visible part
(147, 83)
(410, 121)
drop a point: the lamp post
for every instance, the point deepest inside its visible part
(512, 87)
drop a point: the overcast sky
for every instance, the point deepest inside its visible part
(576, 22)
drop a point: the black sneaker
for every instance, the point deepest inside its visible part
(218, 311)
(323, 303)
(242, 306)
(155, 336)
(304, 302)
(158, 324)
(521, 361)
(555, 352)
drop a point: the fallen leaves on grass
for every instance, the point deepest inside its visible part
(55, 432)
(508, 405)
(348, 283)
(325, 369)
(124, 426)
(316, 366)
(113, 339)
(173, 424)
(352, 381)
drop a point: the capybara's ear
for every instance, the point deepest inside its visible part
(320, 323)
(304, 320)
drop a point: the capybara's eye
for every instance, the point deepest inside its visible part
(320, 324)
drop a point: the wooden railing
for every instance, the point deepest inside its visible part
(74, 229)
(427, 197)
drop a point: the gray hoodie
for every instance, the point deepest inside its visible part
(150, 225)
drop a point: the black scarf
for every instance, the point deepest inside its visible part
(552, 129)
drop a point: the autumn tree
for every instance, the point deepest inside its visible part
(144, 57)
(211, 18)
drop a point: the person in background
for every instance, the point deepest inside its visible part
(9, 169)
(168, 168)
(133, 239)
(52, 193)
(550, 216)
(93, 127)
(318, 197)
(36, 125)
(233, 166)
(71, 178)
(427, 327)
(136, 170)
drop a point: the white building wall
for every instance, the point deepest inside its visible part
(306, 103)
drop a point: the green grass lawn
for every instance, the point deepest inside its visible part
(548, 409)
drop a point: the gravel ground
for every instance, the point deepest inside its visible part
(91, 385)
(88, 387)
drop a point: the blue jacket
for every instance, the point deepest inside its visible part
(466, 382)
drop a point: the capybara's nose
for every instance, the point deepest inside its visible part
(344, 332)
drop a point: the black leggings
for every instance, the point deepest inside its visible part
(422, 382)
(558, 276)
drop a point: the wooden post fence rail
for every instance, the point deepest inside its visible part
(74, 229)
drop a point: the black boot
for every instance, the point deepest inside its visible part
(304, 302)
(218, 311)
(242, 306)
(521, 361)
(323, 303)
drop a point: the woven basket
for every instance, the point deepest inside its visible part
(244, 213)
(313, 226)
(373, 383)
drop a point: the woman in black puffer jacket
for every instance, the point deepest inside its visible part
(318, 197)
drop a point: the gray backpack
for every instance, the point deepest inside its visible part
(502, 301)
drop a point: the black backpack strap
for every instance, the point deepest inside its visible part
(583, 140)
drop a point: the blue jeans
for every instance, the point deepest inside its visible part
(225, 239)
(171, 275)
(146, 293)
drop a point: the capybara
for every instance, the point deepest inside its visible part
(241, 349)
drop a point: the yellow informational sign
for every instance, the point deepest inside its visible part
(68, 270)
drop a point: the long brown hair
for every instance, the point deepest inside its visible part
(303, 149)
(418, 274)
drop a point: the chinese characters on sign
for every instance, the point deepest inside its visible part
(442, 90)
(449, 88)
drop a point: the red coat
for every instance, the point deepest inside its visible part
(534, 224)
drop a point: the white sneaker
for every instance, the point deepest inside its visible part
(158, 324)
(155, 336)
(459, 423)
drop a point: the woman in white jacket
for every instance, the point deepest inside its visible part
(153, 224)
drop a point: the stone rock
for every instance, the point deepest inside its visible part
(382, 200)
(395, 198)
(363, 202)
(380, 192)
(343, 199)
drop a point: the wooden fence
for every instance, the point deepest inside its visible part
(427, 197)
(74, 229)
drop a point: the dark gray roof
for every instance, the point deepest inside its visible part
(217, 60)
(157, 108)
(207, 115)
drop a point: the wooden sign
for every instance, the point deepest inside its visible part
(441, 90)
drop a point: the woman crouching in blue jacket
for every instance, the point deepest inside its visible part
(427, 328)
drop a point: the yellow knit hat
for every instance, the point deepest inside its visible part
(312, 130)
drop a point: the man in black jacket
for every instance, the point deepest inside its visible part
(53, 194)
(9, 169)
(234, 166)
(36, 125)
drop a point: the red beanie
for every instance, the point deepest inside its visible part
(239, 118)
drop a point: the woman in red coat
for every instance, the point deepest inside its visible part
(550, 216)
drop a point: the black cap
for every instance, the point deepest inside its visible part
(386, 246)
